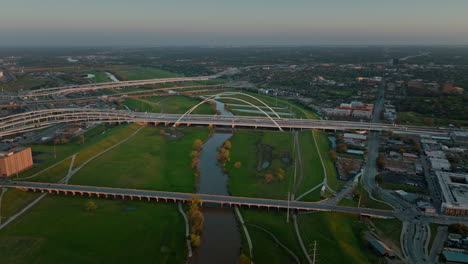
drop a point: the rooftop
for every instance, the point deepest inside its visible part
(454, 188)
(455, 257)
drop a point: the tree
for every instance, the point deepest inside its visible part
(91, 206)
(197, 144)
(224, 155)
(379, 178)
(82, 139)
(381, 161)
(342, 147)
(458, 229)
(269, 177)
(195, 163)
(195, 240)
(227, 144)
(237, 164)
(280, 174)
(194, 154)
(243, 259)
(197, 219)
(333, 155)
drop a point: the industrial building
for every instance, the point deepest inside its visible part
(454, 189)
(460, 137)
(15, 161)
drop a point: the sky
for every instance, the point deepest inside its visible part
(234, 22)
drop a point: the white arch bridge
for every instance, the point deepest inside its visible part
(33, 120)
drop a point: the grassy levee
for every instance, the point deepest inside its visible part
(117, 231)
(265, 249)
(338, 237)
(26, 82)
(312, 167)
(141, 73)
(332, 177)
(45, 151)
(61, 230)
(348, 202)
(146, 161)
(251, 149)
(367, 202)
(99, 77)
(14, 200)
(390, 229)
(138, 105)
(179, 104)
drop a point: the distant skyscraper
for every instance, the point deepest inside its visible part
(395, 62)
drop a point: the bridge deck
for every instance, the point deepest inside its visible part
(176, 196)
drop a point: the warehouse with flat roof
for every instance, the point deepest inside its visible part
(454, 189)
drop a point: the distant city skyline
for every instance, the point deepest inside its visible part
(241, 22)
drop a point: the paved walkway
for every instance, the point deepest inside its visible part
(4, 190)
(246, 232)
(187, 230)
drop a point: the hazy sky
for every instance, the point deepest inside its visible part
(235, 22)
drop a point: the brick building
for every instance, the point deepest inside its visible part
(15, 161)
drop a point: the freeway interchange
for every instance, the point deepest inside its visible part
(33, 120)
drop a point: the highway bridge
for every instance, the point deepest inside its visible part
(119, 96)
(38, 119)
(112, 85)
(33, 120)
(158, 196)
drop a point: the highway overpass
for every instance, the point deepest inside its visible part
(112, 85)
(33, 120)
(158, 196)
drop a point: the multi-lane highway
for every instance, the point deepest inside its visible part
(134, 194)
(23, 122)
(159, 92)
(112, 85)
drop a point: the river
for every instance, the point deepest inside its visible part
(221, 238)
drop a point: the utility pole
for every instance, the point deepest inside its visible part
(287, 214)
(314, 254)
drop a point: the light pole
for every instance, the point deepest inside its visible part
(287, 215)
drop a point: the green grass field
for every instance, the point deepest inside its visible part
(338, 237)
(45, 151)
(116, 230)
(60, 230)
(25, 82)
(265, 146)
(313, 171)
(99, 77)
(389, 228)
(180, 104)
(324, 148)
(367, 202)
(140, 73)
(265, 249)
(151, 161)
(140, 105)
